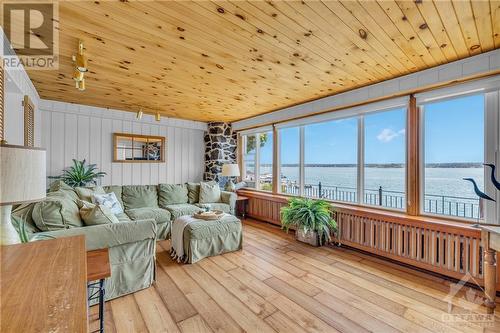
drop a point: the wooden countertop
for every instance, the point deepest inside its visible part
(44, 286)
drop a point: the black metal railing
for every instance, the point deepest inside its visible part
(435, 204)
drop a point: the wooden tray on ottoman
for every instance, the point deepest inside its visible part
(209, 216)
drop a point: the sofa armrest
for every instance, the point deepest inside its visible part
(107, 235)
(230, 199)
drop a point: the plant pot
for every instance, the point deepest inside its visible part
(310, 237)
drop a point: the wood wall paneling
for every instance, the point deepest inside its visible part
(78, 131)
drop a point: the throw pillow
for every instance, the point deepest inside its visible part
(171, 194)
(108, 200)
(57, 211)
(96, 214)
(62, 187)
(209, 192)
(85, 193)
(193, 192)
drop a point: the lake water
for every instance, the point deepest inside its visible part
(438, 181)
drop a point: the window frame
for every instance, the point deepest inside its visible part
(257, 164)
(414, 190)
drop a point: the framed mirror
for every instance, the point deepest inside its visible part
(138, 148)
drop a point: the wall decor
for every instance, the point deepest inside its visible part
(29, 122)
(138, 148)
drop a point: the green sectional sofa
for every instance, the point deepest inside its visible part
(148, 212)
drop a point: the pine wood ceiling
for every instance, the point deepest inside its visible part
(228, 60)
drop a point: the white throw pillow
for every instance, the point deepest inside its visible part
(109, 200)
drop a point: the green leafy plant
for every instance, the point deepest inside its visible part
(309, 215)
(80, 174)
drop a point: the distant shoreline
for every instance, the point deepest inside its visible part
(386, 166)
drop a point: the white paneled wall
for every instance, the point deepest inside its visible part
(84, 132)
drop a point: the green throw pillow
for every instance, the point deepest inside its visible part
(96, 214)
(57, 211)
(86, 193)
(60, 186)
(193, 192)
(209, 192)
(171, 194)
(139, 196)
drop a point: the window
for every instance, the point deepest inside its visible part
(258, 160)
(330, 160)
(290, 160)
(453, 150)
(385, 158)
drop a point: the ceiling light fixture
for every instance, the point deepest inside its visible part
(81, 85)
(139, 114)
(158, 116)
(81, 59)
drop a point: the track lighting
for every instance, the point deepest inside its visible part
(139, 114)
(158, 116)
(81, 85)
(81, 59)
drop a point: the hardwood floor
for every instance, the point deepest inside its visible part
(276, 284)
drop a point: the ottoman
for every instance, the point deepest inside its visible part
(210, 238)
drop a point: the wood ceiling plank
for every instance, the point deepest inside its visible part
(290, 25)
(347, 38)
(431, 17)
(495, 19)
(482, 17)
(195, 60)
(323, 30)
(449, 19)
(463, 10)
(412, 47)
(352, 15)
(421, 28)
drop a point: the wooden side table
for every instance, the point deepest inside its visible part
(98, 269)
(242, 201)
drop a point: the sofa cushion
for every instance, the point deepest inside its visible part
(193, 192)
(209, 192)
(158, 214)
(96, 214)
(216, 206)
(57, 211)
(116, 189)
(60, 186)
(139, 196)
(122, 217)
(179, 210)
(171, 194)
(86, 193)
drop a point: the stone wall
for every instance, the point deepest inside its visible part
(220, 148)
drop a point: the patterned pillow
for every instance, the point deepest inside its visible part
(108, 200)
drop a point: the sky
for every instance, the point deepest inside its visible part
(454, 132)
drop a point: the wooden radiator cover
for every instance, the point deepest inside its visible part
(452, 249)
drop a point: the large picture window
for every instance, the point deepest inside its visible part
(453, 150)
(330, 160)
(384, 159)
(258, 160)
(290, 160)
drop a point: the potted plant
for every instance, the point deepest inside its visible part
(80, 174)
(311, 219)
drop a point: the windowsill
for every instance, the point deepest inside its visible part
(382, 213)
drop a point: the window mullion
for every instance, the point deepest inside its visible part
(301, 162)
(257, 161)
(360, 184)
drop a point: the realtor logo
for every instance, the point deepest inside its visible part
(32, 30)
